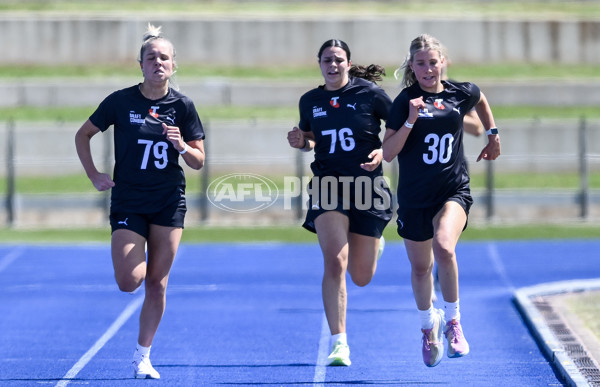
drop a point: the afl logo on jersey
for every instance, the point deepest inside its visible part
(438, 104)
(334, 102)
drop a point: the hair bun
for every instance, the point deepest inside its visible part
(152, 32)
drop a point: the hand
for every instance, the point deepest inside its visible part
(102, 181)
(491, 150)
(174, 136)
(376, 156)
(295, 138)
(414, 105)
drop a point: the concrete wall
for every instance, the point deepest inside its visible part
(252, 41)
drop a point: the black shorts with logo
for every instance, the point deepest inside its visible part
(170, 216)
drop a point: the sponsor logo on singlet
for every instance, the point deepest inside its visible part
(425, 113)
(153, 110)
(334, 102)
(319, 112)
(135, 118)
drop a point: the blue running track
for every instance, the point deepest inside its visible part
(251, 314)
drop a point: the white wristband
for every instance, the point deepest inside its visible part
(184, 149)
(306, 147)
(491, 131)
(409, 125)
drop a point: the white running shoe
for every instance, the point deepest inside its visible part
(142, 369)
(339, 356)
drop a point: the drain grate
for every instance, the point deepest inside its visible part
(575, 350)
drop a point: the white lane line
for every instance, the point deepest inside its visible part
(320, 369)
(499, 266)
(114, 328)
(10, 257)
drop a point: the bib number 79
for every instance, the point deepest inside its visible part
(344, 136)
(440, 149)
(159, 152)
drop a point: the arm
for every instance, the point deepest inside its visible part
(101, 181)
(394, 141)
(472, 125)
(305, 141)
(194, 156)
(492, 150)
(192, 152)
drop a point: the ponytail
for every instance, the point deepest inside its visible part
(371, 73)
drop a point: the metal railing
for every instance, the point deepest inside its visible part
(570, 145)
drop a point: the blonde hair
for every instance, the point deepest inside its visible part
(152, 33)
(422, 42)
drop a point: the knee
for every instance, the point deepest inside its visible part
(361, 279)
(421, 269)
(155, 288)
(335, 265)
(361, 274)
(444, 252)
(128, 283)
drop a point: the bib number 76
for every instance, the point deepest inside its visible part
(440, 149)
(344, 136)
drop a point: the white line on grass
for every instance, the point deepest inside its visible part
(10, 257)
(114, 328)
(320, 369)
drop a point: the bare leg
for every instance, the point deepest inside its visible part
(362, 260)
(332, 231)
(448, 225)
(162, 247)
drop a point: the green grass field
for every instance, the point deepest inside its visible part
(295, 233)
(79, 183)
(408, 8)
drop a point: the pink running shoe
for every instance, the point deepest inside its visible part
(433, 340)
(457, 344)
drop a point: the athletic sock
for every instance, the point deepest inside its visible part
(340, 337)
(141, 351)
(426, 318)
(452, 310)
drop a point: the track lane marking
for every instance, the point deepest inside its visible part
(320, 369)
(10, 257)
(499, 266)
(114, 328)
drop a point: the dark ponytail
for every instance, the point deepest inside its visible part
(371, 73)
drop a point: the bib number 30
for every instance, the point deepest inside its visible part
(440, 149)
